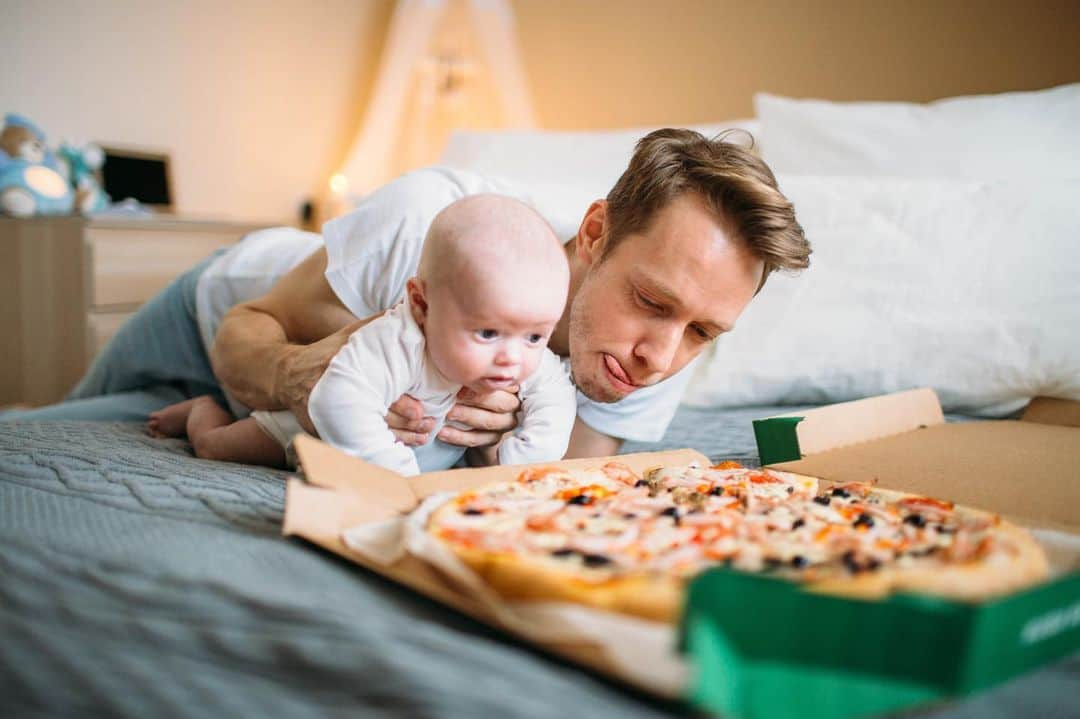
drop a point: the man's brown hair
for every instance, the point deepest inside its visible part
(735, 183)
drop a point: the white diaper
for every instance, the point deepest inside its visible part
(282, 427)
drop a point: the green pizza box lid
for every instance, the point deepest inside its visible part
(763, 647)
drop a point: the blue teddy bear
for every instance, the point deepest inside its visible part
(81, 165)
(30, 181)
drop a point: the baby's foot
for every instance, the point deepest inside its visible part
(171, 421)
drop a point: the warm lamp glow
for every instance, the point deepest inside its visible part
(339, 184)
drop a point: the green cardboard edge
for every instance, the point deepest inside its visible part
(777, 440)
(752, 638)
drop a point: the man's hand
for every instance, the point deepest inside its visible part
(407, 421)
(302, 366)
(487, 416)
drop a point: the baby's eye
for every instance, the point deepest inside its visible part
(487, 335)
(535, 339)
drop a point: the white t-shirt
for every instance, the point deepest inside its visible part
(372, 252)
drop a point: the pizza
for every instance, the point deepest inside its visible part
(626, 542)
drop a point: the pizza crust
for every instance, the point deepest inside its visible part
(994, 575)
(521, 579)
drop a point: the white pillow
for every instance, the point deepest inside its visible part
(562, 171)
(589, 158)
(972, 288)
(1016, 135)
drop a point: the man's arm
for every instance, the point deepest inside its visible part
(587, 442)
(271, 351)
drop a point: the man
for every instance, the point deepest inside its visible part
(659, 269)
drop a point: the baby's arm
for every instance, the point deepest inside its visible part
(348, 405)
(548, 410)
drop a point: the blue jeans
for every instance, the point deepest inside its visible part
(155, 359)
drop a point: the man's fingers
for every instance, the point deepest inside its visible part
(500, 401)
(397, 422)
(482, 419)
(407, 413)
(468, 438)
(408, 407)
(411, 439)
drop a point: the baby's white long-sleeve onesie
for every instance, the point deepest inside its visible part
(386, 359)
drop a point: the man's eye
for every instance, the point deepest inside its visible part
(648, 304)
(487, 334)
(702, 334)
(535, 339)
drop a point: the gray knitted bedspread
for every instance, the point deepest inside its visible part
(136, 580)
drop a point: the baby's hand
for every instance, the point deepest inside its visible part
(489, 416)
(406, 420)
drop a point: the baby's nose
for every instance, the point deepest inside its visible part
(509, 354)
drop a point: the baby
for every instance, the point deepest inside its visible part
(491, 285)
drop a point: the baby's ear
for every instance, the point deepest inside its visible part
(414, 292)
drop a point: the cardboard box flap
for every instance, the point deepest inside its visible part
(459, 479)
(388, 493)
(1023, 470)
(320, 515)
(337, 499)
(791, 436)
(318, 512)
(327, 467)
(1050, 410)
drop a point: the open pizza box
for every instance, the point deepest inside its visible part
(745, 658)
(765, 648)
(374, 517)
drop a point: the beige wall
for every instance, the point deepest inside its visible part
(605, 63)
(255, 101)
(258, 101)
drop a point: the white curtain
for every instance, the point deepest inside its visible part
(446, 64)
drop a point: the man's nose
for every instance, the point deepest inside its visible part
(657, 350)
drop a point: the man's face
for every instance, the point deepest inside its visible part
(657, 300)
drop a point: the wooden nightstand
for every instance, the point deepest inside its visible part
(68, 283)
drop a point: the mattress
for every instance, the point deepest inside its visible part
(136, 580)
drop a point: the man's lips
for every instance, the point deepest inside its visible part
(617, 373)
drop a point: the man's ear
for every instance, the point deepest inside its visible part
(592, 235)
(414, 290)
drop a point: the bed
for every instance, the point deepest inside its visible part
(136, 580)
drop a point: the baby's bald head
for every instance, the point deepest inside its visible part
(490, 288)
(494, 249)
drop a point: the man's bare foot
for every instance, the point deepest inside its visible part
(172, 420)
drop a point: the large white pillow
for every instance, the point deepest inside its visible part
(563, 171)
(972, 288)
(1015, 135)
(590, 158)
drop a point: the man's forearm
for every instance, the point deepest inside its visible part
(249, 351)
(587, 442)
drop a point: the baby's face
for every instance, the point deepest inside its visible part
(489, 338)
